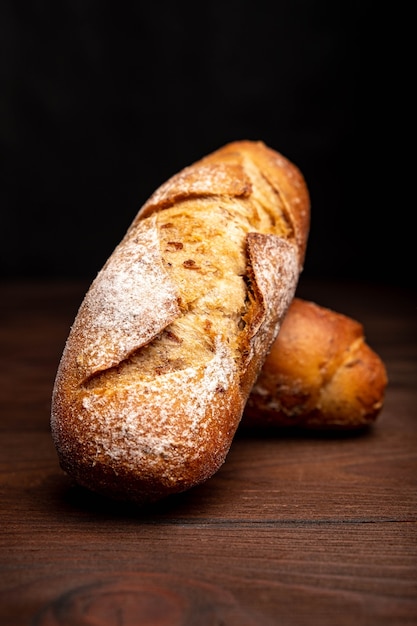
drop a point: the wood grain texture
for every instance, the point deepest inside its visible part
(294, 529)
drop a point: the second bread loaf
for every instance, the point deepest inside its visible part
(320, 373)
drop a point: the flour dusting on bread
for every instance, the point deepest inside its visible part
(130, 301)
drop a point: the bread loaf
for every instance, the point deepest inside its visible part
(320, 373)
(173, 332)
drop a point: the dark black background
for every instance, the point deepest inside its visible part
(102, 102)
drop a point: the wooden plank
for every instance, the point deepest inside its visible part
(296, 528)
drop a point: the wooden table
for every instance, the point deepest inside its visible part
(295, 529)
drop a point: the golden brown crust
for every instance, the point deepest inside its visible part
(287, 182)
(320, 373)
(173, 332)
